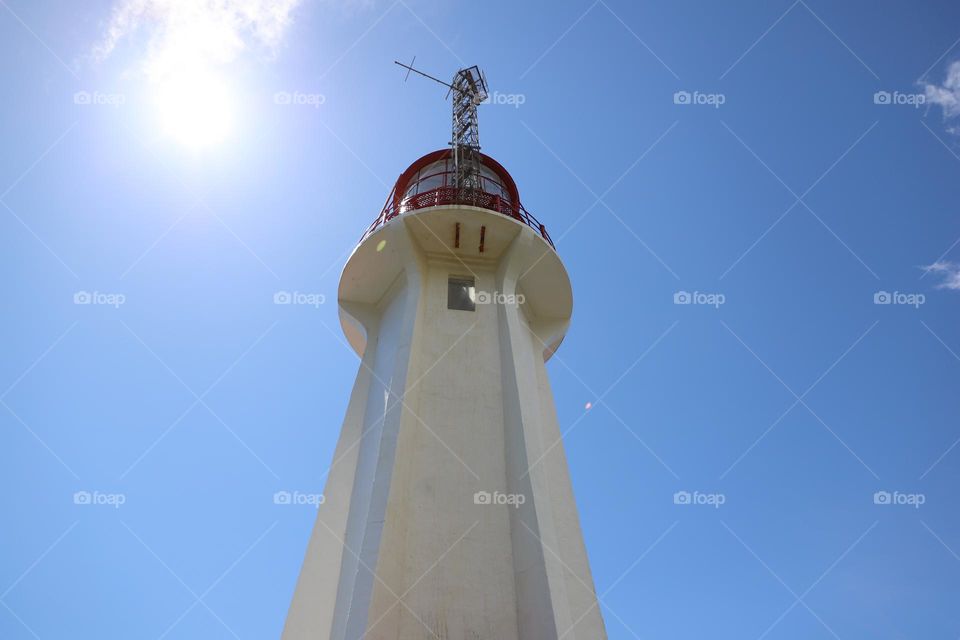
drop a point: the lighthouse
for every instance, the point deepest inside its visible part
(448, 510)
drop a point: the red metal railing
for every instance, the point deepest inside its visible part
(451, 195)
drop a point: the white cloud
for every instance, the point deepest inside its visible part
(184, 33)
(947, 95)
(949, 271)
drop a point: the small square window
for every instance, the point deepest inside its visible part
(461, 294)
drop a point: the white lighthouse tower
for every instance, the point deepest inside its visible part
(448, 508)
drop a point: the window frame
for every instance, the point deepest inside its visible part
(466, 296)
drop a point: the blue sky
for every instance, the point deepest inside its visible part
(184, 392)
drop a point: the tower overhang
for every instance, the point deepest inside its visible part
(467, 238)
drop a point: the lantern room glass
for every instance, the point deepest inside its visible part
(441, 174)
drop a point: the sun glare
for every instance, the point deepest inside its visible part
(188, 53)
(196, 108)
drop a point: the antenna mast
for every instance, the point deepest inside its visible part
(469, 89)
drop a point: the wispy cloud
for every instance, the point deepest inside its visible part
(182, 33)
(949, 272)
(947, 95)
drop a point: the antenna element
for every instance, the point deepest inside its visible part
(469, 89)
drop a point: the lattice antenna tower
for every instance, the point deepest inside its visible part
(469, 89)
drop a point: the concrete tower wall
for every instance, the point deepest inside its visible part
(449, 403)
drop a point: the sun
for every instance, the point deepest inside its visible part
(196, 108)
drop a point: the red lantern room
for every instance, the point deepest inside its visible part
(430, 182)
